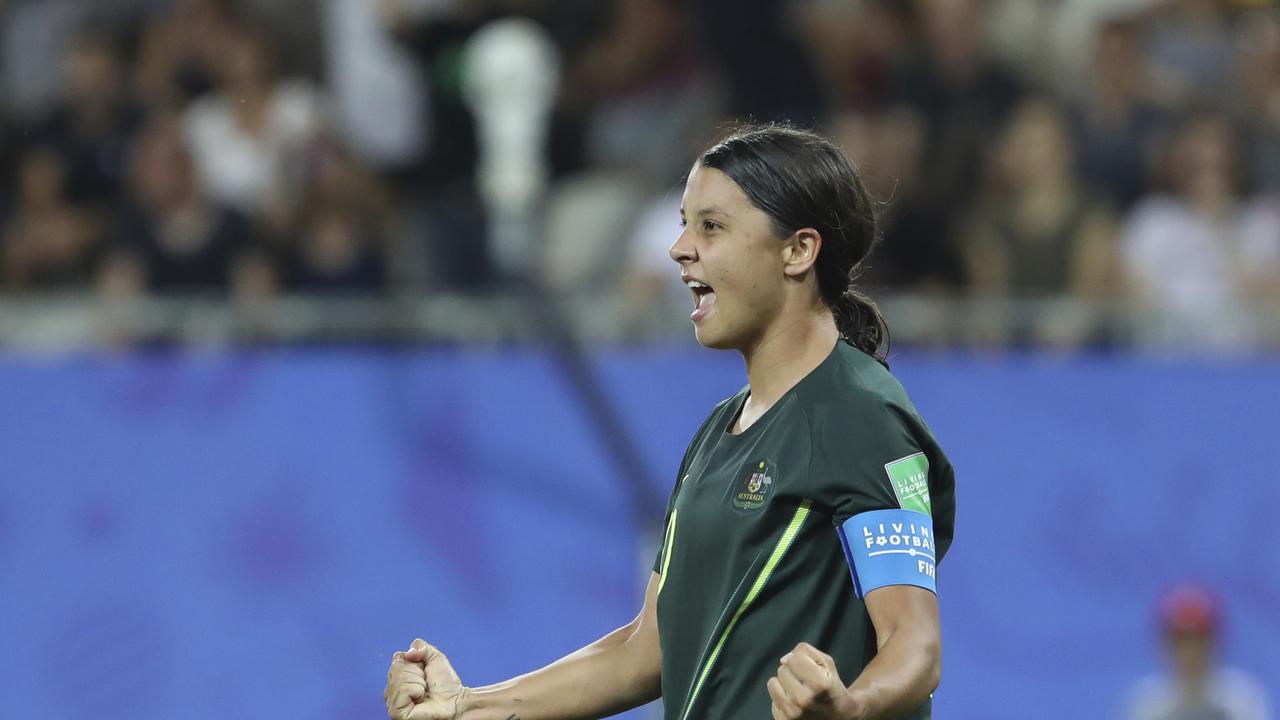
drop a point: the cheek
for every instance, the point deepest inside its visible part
(758, 273)
(744, 276)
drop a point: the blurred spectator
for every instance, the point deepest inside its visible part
(254, 276)
(342, 237)
(652, 291)
(297, 35)
(962, 95)
(435, 35)
(1197, 686)
(9, 145)
(1039, 231)
(48, 241)
(290, 196)
(1257, 104)
(250, 138)
(33, 34)
(92, 125)
(1019, 34)
(379, 91)
(1074, 26)
(1191, 46)
(584, 218)
(917, 251)
(857, 47)
(171, 235)
(761, 59)
(1203, 253)
(638, 86)
(336, 254)
(178, 53)
(1115, 122)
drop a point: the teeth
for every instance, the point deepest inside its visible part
(695, 284)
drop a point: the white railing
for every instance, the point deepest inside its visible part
(79, 321)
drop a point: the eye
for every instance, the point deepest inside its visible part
(711, 226)
(684, 223)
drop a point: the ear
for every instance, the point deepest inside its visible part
(800, 252)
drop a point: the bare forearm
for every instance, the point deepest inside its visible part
(900, 678)
(622, 670)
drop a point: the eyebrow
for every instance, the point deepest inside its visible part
(709, 210)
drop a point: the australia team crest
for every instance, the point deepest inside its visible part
(754, 485)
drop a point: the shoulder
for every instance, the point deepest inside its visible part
(859, 411)
(856, 389)
(1242, 693)
(1151, 697)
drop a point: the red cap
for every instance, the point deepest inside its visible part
(1190, 609)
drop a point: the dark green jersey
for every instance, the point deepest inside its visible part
(752, 563)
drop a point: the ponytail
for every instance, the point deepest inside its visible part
(862, 325)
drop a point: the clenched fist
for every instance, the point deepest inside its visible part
(808, 686)
(421, 685)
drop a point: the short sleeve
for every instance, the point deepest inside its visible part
(668, 527)
(869, 459)
(889, 490)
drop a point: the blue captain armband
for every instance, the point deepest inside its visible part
(890, 547)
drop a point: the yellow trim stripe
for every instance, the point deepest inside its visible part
(779, 550)
(666, 550)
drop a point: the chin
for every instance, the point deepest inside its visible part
(712, 340)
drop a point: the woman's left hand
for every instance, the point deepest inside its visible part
(808, 686)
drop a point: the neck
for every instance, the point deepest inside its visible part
(786, 353)
(1194, 683)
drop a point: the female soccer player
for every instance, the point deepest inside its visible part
(810, 508)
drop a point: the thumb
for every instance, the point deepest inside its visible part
(417, 651)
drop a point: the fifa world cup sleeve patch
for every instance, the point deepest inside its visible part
(910, 479)
(890, 547)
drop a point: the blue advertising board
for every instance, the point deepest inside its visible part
(253, 533)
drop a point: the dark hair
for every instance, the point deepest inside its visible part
(800, 180)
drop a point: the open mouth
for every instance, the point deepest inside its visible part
(703, 298)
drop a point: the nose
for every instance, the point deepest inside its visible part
(682, 251)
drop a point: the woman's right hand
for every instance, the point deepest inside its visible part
(422, 685)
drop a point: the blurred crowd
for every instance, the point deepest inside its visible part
(1112, 151)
